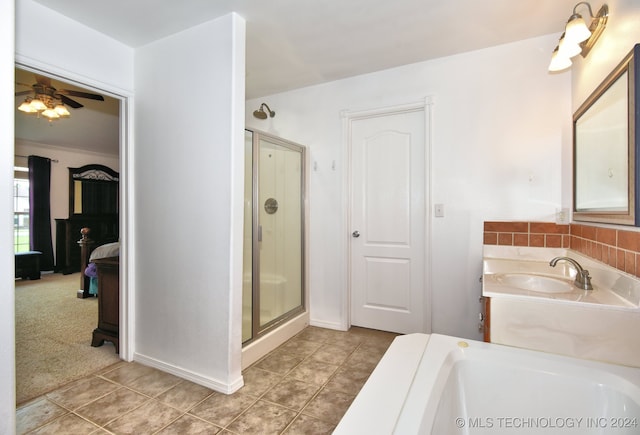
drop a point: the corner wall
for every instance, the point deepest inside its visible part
(189, 167)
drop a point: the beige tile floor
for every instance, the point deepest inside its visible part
(302, 387)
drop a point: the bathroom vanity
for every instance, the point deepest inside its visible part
(536, 306)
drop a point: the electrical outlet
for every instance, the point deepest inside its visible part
(562, 215)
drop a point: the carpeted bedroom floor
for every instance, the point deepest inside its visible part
(53, 335)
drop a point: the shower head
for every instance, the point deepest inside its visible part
(261, 114)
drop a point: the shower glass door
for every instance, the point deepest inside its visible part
(277, 229)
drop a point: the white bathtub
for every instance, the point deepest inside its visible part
(436, 384)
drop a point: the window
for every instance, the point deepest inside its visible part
(21, 210)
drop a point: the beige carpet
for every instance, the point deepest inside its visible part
(53, 335)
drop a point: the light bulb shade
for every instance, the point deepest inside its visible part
(62, 110)
(26, 107)
(576, 29)
(50, 113)
(37, 104)
(559, 61)
(568, 48)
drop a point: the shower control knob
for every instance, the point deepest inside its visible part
(356, 234)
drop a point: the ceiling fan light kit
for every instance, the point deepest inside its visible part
(49, 101)
(45, 106)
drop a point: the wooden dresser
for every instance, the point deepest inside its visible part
(108, 302)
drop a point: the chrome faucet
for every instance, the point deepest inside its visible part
(583, 280)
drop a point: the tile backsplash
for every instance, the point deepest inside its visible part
(537, 234)
(616, 247)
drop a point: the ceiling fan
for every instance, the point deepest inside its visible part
(49, 101)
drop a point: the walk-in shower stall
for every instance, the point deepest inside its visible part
(273, 284)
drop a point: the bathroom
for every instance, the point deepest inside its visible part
(500, 150)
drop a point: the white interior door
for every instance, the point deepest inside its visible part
(387, 208)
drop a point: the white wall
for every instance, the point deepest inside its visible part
(617, 40)
(190, 180)
(7, 307)
(86, 55)
(500, 122)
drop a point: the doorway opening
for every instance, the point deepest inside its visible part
(55, 140)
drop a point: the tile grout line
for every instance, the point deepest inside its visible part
(317, 393)
(264, 393)
(320, 388)
(321, 341)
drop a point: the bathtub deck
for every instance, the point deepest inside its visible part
(378, 405)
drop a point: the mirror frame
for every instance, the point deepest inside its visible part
(89, 172)
(631, 65)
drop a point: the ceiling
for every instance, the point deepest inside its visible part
(94, 127)
(296, 43)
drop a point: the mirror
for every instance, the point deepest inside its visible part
(93, 191)
(605, 148)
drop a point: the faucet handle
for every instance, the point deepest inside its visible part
(585, 280)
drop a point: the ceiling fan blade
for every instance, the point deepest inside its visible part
(81, 94)
(71, 103)
(23, 84)
(42, 80)
(23, 93)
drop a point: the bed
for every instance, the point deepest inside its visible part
(108, 250)
(101, 267)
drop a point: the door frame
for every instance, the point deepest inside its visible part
(348, 117)
(127, 209)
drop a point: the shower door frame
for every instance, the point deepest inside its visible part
(258, 331)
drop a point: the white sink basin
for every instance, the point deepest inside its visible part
(532, 277)
(536, 283)
(599, 324)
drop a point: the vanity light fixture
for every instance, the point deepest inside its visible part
(578, 38)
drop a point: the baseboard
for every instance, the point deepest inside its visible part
(328, 325)
(214, 384)
(262, 346)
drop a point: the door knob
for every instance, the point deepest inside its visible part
(356, 233)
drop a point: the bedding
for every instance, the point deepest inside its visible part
(105, 251)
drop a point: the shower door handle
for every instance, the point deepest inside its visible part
(259, 233)
(356, 234)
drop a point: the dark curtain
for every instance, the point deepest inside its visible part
(40, 210)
